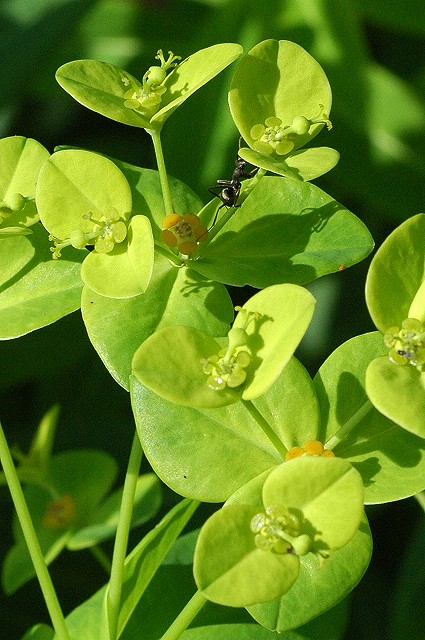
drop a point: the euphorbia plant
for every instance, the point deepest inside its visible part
(224, 412)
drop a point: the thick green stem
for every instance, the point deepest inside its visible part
(349, 425)
(31, 540)
(172, 257)
(185, 617)
(121, 538)
(224, 219)
(163, 178)
(278, 445)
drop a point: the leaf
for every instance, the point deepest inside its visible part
(278, 78)
(20, 162)
(101, 86)
(306, 164)
(228, 567)
(285, 231)
(174, 296)
(170, 361)
(140, 566)
(237, 632)
(284, 312)
(191, 74)
(39, 632)
(144, 560)
(74, 183)
(328, 492)
(398, 393)
(34, 289)
(126, 271)
(227, 440)
(395, 275)
(233, 446)
(103, 521)
(377, 447)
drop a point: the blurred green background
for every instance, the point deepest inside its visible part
(373, 52)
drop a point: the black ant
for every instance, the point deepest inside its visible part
(229, 190)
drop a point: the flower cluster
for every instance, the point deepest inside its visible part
(108, 231)
(278, 530)
(227, 367)
(14, 202)
(146, 97)
(310, 448)
(275, 137)
(183, 232)
(59, 513)
(407, 345)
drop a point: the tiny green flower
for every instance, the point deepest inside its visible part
(278, 530)
(14, 203)
(146, 98)
(407, 345)
(108, 231)
(274, 137)
(227, 367)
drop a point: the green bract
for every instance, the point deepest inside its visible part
(249, 552)
(280, 99)
(20, 162)
(84, 199)
(175, 362)
(395, 294)
(106, 89)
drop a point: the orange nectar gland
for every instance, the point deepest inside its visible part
(309, 448)
(59, 513)
(183, 233)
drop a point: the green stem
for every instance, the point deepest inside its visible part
(163, 178)
(346, 428)
(121, 538)
(185, 617)
(224, 219)
(172, 257)
(278, 445)
(31, 540)
(101, 557)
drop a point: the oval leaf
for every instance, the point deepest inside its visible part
(74, 183)
(126, 271)
(20, 162)
(398, 392)
(278, 78)
(284, 312)
(285, 231)
(328, 492)
(396, 273)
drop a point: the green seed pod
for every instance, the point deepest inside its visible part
(16, 201)
(78, 239)
(300, 125)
